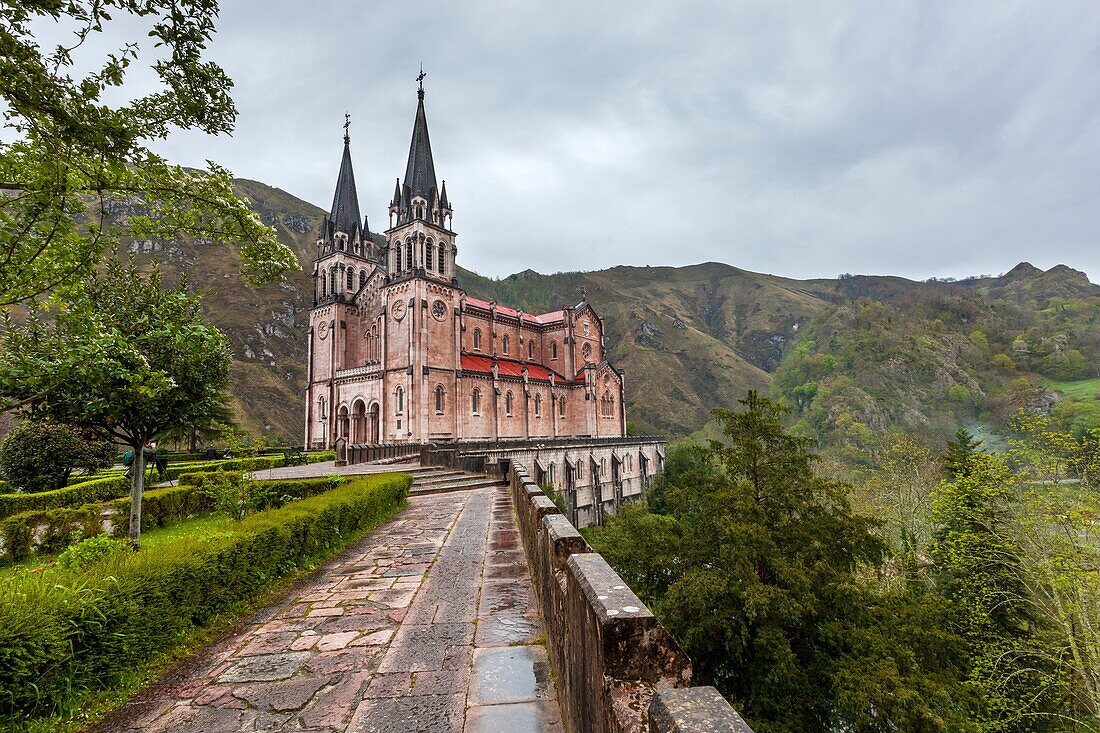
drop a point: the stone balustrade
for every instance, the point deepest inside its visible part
(617, 669)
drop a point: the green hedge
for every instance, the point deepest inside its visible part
(48, 531)
(66, 632)
(76, 495)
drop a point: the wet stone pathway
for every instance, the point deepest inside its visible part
(427, 624)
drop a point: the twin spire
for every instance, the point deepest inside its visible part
(419, 182)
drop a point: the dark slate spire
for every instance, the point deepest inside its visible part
(345, 215)
(443, 196)
(420, 171)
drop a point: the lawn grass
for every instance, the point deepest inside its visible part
(1082, 390)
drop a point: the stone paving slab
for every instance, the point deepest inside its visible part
(427, 625)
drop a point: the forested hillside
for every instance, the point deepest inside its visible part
(851, 355)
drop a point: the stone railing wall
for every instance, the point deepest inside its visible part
(595, 475)
(362, 453)
(617, 669)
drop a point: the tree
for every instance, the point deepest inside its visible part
(957, 458)
(763, 573)
(981, 574)
(79, 176)
(40, 456)
(127, 355)
(205, 427)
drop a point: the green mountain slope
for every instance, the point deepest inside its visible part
(851, 354)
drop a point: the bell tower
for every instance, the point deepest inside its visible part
(420, 240)
(345, 259)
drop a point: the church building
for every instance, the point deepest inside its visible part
(398, 352)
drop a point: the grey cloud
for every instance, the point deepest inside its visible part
(805, 139)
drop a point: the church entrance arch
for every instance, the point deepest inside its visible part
(359, 422)
(373, 431)
(343, 423)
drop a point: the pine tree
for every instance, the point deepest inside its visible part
(956, 459)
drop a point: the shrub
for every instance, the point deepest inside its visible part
(48, 530)
(63, 632)
(91, 551)
(71, 496)
(39, 456)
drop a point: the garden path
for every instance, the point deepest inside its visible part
(426, 624)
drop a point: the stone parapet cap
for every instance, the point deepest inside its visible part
(693, 710)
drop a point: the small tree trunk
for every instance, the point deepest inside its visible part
(137, 485)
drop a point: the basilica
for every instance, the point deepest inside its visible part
(399, 353)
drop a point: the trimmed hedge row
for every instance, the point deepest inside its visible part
(65, 632)
(48, 531)
(115, 484)
(101, 489)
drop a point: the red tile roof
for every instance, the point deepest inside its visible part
(541, 318)
(507, 367)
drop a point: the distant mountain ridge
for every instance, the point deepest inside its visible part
(689, 338)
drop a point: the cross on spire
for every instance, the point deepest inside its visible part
(420, 80)
(347, 124)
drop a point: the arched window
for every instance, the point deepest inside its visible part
(504, 344)
(324, 284)
(442, 257)
(439, 398)
(508, 404)
(530, 349)
(538, 405)
(553, 349)
(408, 254)
(351, 278)
(477, 339)
(561, 406)
(475, 402)
(429, 258)
(362, 278)
(397, 258)
(399, 394)
(321, 407)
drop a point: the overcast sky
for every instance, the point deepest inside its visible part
(802, 139)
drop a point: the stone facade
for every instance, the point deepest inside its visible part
(399, 353)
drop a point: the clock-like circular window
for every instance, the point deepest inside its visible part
(398, 309)
(439, 309)
(586, 352)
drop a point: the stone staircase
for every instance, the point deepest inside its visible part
(432, 480)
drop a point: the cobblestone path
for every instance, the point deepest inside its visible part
(427, 624)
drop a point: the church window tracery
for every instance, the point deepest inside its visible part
(351, 278)
(504, 344)
(508, 404)
(442, 257)
(477, 339)
(397, 258)
(475, 402)
(439, 398)
(408, 254)
(362, 278)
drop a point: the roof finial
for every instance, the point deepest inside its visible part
(420, 80)
(347, 124)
